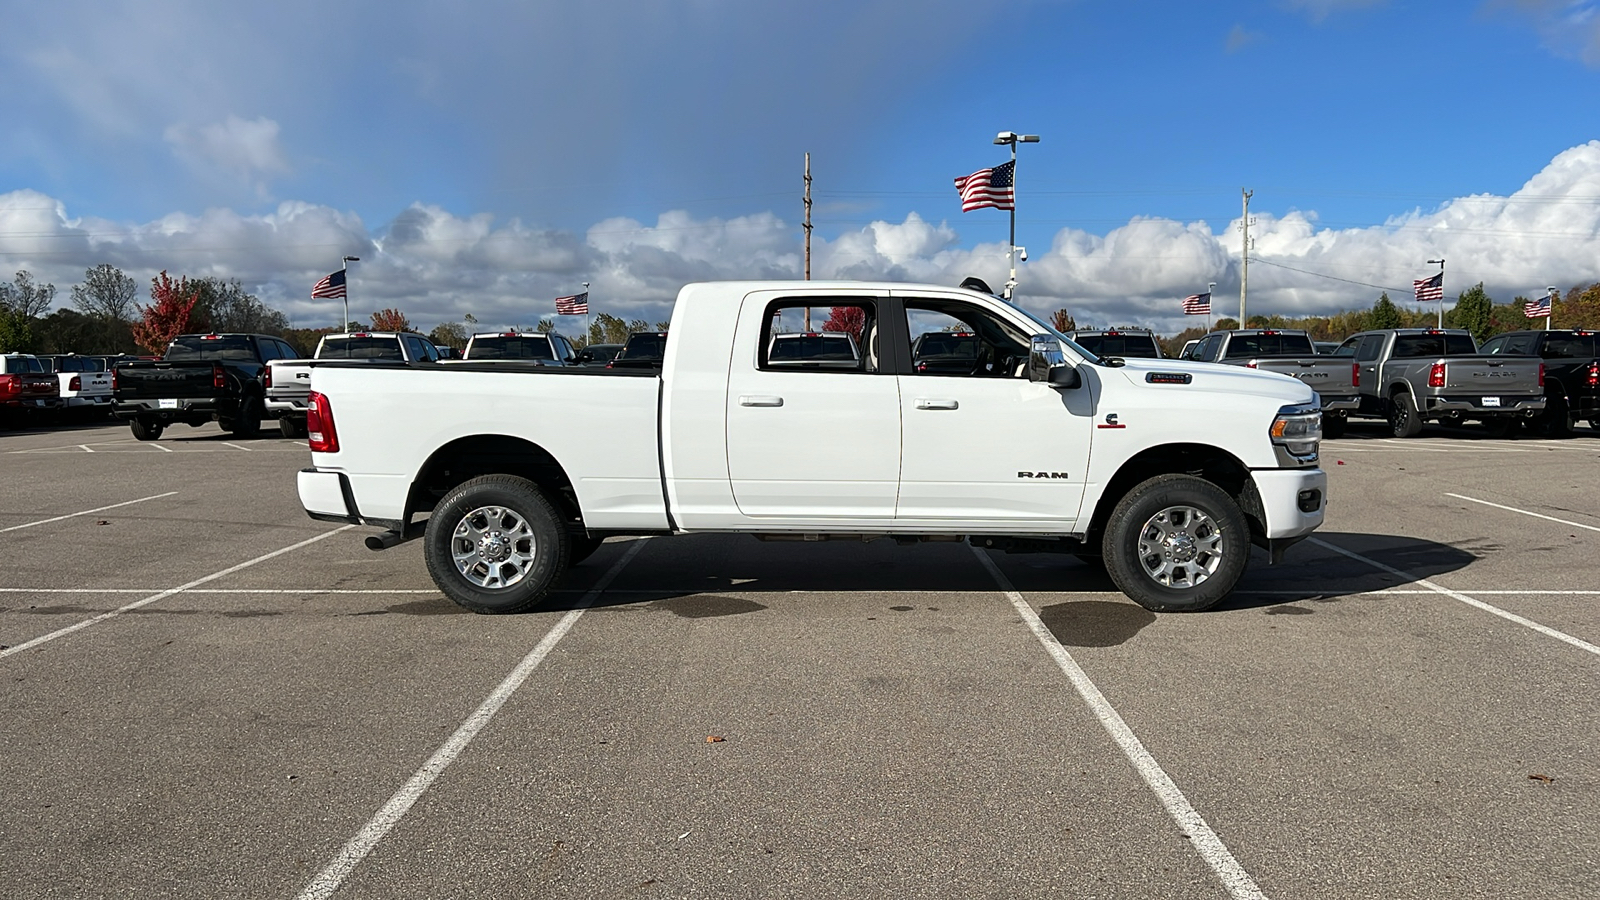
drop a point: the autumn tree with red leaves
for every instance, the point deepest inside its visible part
(169, 316)
(390, 320)
(849, 319)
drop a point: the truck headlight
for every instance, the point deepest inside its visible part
(1296, 433)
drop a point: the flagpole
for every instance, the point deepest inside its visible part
(1012, 138)
(344, 266)
(1550, 317)
(586, 337)
(1440, 261)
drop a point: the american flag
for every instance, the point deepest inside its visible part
(1197, 304)
(575, 305)
(330, 287)
(1429, 288)
(988, 187)
(1536, 309)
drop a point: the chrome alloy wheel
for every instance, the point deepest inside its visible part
(1180, 547)
(493, 547)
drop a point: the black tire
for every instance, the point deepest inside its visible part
(146, 429)
(1404, 421)
(514, 545)
(1557, 421)
(248, 423)
(580, 546)
(290, 428)
(1200, 560)
(1333, 426)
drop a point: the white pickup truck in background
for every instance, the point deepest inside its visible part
(288, 381)
(1166, 470)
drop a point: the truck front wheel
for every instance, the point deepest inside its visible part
(496, 545)
(1176, 543)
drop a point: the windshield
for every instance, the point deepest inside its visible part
(1412, 346)
(513, 347)
(644, 346)
(191, 347)
(1246, 345)
(360, 348)
(1141, 346)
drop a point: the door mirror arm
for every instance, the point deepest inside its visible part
(1047, 364)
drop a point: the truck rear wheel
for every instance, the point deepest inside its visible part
(248, 423)
(145, 429)
(494, 544)
(1176, 543)
(1404, 420)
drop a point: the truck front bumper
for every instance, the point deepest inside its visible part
(1292, 501)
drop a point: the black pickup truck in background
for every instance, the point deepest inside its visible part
(201, 377)
(1571, 374)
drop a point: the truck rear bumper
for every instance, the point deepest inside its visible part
(177, 409)
(1474, 406)
(1340, 404)
(1292, 501)
(327, 496)
(278, 407)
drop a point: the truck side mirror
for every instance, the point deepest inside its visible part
(1048, 365)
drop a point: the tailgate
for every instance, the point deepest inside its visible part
(165, 380)
(290, 382)
(1325, 376)
(1493, 375)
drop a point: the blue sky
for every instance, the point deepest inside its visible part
(486, 157)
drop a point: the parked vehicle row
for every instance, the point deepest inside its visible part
(1290, 353)
(287, 382)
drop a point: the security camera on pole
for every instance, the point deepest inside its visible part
(996, 187)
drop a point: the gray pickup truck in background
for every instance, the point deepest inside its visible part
(1410, 376)
(288, 381)
(1288, 353)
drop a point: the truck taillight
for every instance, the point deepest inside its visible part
(266, 377)
(1436, 375)
(113, 380)
(1594, 374)
(1355, 375)
(1541, 374)
(1250, 365)
(218, 380)
(76, 384)
(319, 425)
(11, 384)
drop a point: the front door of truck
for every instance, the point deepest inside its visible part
(813, 418)
(984, 445)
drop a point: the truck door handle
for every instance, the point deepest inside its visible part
(759, 400)
(924, 403)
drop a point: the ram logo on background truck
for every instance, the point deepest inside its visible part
(522, 470)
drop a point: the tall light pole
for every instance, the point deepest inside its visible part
(344, 266)
(1440, 261)
(1551, 317)
(1012, 138)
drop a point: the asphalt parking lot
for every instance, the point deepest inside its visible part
(207, 694)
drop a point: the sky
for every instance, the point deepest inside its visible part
(484, 158)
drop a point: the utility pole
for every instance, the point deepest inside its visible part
(1244, 271)
(808, 232)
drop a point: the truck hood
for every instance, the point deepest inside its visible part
(1220, 379)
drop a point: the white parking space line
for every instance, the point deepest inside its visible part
(28, 645)
(1238, 882)
(25, 590)
(356, 849)
(1522, 511)
(159, 447)
(87, 512)
(235, 446)
(86, 448)
(1457, 595)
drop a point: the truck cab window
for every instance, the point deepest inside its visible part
(949, 337)
(810, 335)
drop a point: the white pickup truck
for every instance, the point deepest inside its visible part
(1167, 471)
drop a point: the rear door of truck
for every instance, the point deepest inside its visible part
(817, 438)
